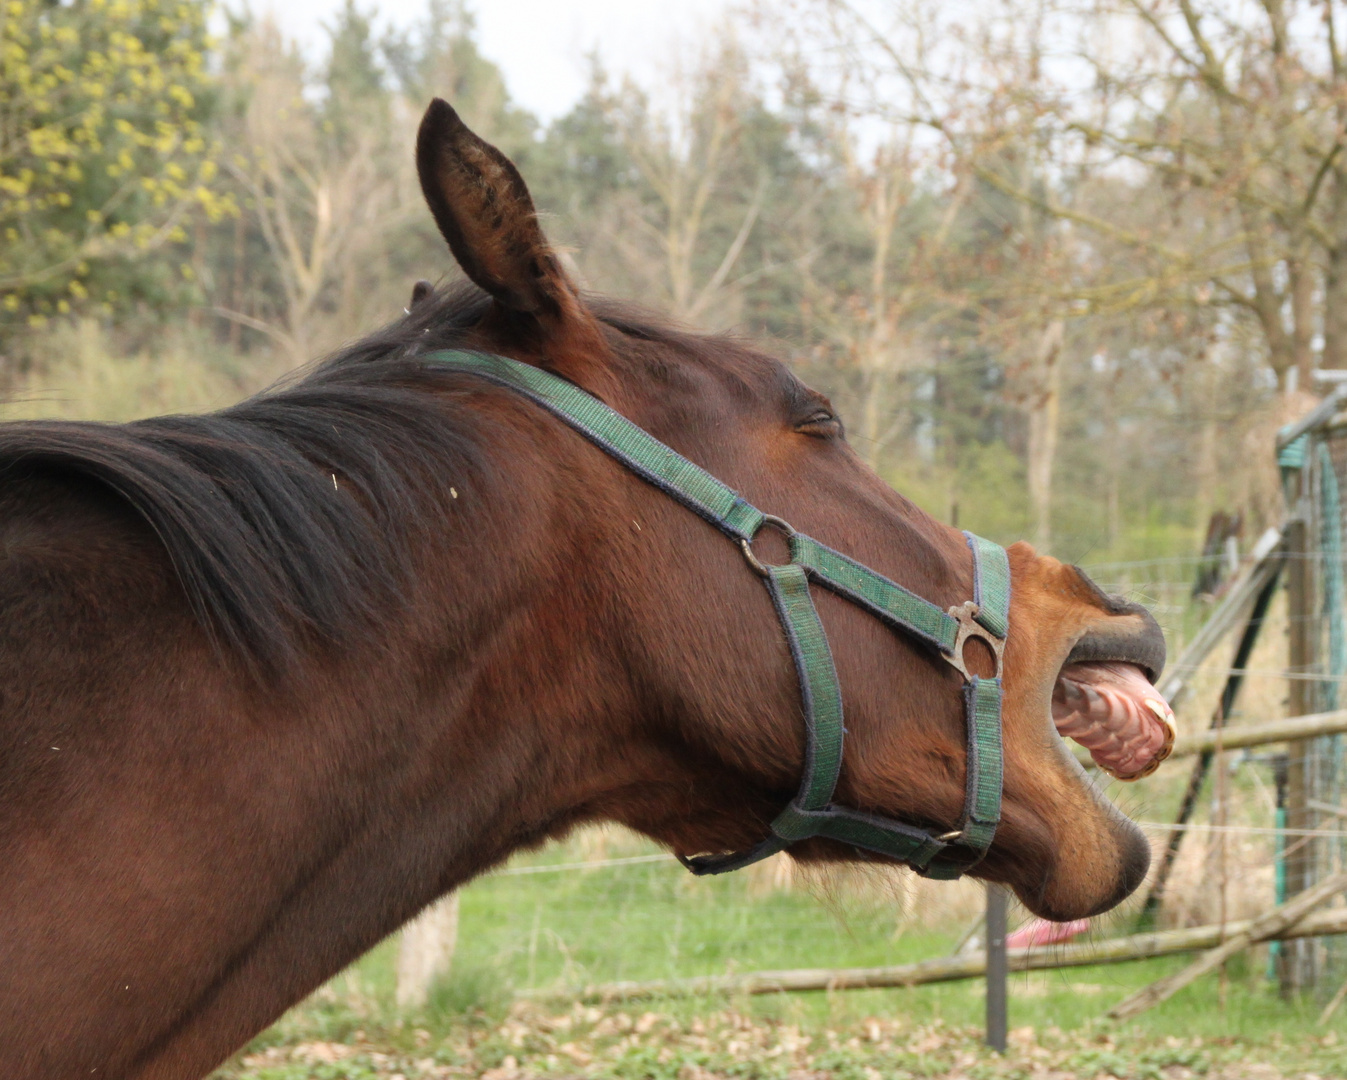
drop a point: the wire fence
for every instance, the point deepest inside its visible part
(1312, 778)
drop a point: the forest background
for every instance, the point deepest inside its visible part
(1063, 266)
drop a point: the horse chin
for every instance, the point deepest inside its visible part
(1088, 874)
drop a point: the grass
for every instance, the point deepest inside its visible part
(653, 920)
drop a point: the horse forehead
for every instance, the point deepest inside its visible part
(698, 364)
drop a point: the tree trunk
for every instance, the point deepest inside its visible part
(1335, 279)
(1302, 281)
(236, 286)
(1044, 410)
(426, 951)
(1267, 301)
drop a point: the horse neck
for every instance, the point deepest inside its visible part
(545, 672)
(601, 671)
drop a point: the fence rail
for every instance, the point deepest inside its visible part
(946, 969)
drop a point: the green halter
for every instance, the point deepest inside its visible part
(812, 813)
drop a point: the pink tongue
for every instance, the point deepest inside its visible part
(1114, 712)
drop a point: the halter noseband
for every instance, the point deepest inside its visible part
(986, 617)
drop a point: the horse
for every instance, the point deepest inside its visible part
(275, 678)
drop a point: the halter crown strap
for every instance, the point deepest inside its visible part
(811, 813)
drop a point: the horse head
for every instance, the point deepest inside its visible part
(699, 631)
(273, 679)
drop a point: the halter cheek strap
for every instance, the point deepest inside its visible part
(812, 813)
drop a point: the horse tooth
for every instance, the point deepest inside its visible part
(1163, 713)
(1166, 716)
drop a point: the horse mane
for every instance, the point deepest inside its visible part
(285, 515)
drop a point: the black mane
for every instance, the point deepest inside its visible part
(283, 515)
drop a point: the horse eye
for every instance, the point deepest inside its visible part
(821, 424)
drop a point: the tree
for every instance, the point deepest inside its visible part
(439, 57)
(668, 202)
(319, 181)
(336, 230)
(1200, 144)
(1163, 172)
(105, 153)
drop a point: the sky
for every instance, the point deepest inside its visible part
(541, 45)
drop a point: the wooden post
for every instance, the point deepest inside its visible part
(1233, 682)
(426, 951)
(997, 967)
(1260, 929)
(1295, 959)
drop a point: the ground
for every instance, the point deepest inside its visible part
(595, 917)
(658, 1045)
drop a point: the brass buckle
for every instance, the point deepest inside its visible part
(965, 615)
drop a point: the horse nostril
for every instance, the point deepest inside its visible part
(978, 658)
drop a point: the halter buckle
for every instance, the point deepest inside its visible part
(965, 615)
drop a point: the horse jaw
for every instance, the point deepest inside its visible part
(1077, 662)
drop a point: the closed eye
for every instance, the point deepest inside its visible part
(821, 424)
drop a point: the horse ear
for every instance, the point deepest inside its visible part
(420, 292)
(484, 210)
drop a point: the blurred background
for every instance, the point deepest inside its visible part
(1060, 278)
(1064, 266)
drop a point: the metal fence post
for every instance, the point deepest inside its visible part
(996, 967)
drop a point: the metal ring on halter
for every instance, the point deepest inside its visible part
(965, 615)
(746, 545)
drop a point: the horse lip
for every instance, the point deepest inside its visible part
(1129, 635)
(1126, 634)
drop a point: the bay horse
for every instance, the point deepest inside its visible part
(274, 679)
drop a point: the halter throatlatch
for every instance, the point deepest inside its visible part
(986, 617)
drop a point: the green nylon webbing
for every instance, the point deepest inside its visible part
(917, 847)
(671, 472)
(700, 491)
(811, 813)
(985, 768)
(882, 597)
(819, 687)
(991, 585)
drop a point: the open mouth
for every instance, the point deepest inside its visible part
(1111, 709)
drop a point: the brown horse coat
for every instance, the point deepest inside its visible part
(273, 679)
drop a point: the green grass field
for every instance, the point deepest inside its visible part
(564, 929)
